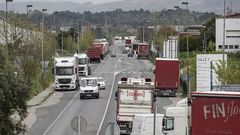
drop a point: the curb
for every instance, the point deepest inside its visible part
(41, 97)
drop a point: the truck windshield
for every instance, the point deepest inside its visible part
(81, 68)
(83, 61)
(90, 82)
(64, 71)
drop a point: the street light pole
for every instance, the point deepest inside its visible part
(78, 35)
(178, 45)
(188, 80)
(28, 6)
(42, 41)
(223, 47)
(6, 29)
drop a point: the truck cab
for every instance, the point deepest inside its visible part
(83, 64)
(65, 73)
(175, 121)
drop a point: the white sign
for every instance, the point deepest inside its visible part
(206, 75)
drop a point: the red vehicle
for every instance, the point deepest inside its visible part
(128, 42)
(101, 48)
(166, 76)
(215, 113)
(212, 113)
(94, 54)
(143, 50)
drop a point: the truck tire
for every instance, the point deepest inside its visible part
(89, 71)
(99, 61)
(81, 96)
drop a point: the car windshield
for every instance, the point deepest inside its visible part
(64, 71)
(100, 80)
(88, 82)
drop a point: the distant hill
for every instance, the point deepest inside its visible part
(151, 5)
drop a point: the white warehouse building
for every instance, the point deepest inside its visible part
(232, 34)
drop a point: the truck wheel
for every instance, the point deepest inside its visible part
(81, 96)
(99, 61)
(89, 71)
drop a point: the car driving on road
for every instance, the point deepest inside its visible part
(101, 82)
(89, 87)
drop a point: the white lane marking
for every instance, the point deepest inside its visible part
(61, 114)
(109, 98)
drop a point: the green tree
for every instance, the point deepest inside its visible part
(14, 92)
(231, 72)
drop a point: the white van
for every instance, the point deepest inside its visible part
(143, 124)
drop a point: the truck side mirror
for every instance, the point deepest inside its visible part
(53, 71)
(116, 95)
(76, 71)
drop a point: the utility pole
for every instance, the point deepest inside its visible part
(43, 63)
(6, 29)
(188, 78)
(223, 47)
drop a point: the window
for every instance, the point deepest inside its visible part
(220, 46)
(236, 46)
(168, 123)
(230, 46)
(226, 46)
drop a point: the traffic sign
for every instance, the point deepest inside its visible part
(112, 129)
(79, 123)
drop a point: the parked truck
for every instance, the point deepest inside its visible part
(134, 96)
(66, 73)
(94, 54)
(143, 50)
(83, 64)
(166, 76)
(209, 113)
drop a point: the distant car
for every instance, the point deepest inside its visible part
(130, 55)
(125, 51)
(101, 83)
(113, 54)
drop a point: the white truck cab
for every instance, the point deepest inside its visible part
(83, 64)
(89, 87)
(143, 124)
(65, 73)
(176, 119)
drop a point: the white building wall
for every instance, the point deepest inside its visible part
(232, 34)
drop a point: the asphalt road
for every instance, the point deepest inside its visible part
(55, 119)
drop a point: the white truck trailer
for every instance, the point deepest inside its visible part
(83, 64)
(66, 73)
(134, 96)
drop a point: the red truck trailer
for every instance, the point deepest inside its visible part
(128, 43)
(143, 50)
(215, 113)
(166, 76)
(101, 48)
(209, 113)
(94, 54)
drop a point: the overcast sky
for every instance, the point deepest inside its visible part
(78, 1)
